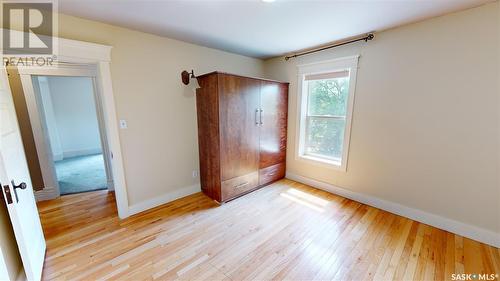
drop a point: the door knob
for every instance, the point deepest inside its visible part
(22, 185)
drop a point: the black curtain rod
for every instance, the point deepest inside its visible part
(365, 38)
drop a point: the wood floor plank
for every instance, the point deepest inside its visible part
(449, 267)
(414, 254)
(284, 231)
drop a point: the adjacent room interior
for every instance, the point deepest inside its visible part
(251, 140)
(70, 116)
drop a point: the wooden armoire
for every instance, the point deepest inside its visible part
(241, 133)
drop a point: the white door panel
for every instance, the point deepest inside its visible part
(13, 167)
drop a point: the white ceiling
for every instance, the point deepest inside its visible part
(258, 29)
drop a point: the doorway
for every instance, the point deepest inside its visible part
(68, 131)
(69, 111)
(16, 185)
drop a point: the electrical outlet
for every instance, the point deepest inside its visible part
(195, 173)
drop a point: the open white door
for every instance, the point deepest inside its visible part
(16, 187)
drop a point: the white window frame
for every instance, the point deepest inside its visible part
(342, 64)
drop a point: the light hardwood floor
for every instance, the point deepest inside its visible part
(284, 231)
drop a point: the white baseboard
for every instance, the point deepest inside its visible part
(473, 232)
(58, 157)
(81, 152)
(110, 185)
(163, 199)
(47, 193)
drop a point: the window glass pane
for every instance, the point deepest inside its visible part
(328, 96)
(325, 137)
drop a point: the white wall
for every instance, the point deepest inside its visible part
(70, 114)
(41, 86)
(425, 132)
(74, 116)
(160, 146)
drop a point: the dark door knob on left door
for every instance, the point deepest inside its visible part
(22, 185)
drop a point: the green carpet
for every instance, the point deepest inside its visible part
(81, 174)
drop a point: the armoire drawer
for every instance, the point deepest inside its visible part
(271, 173)
(236, 186)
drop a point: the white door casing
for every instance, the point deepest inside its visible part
(78, 52)
(40, 127)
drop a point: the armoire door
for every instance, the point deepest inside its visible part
(239, 129)
(274, 103)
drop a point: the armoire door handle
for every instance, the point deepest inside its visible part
(256, 121)
(238, 186)
(261, 116)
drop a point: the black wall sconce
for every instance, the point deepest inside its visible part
(186, 76)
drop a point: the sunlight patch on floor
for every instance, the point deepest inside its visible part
(305, 199)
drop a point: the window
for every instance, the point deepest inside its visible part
(327, 95)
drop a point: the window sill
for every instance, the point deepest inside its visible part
(331, 164)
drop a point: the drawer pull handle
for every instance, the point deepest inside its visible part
(272, 174)
(241, 185)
